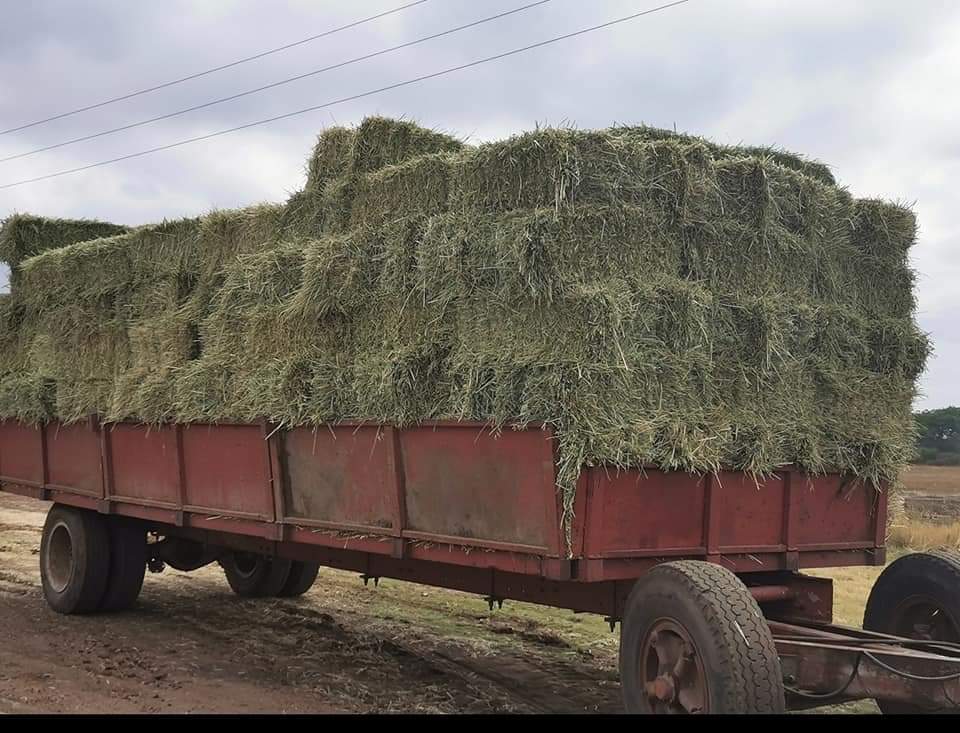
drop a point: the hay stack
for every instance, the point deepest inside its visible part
(655, 298)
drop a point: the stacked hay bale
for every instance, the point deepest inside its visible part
(23, 236)
(25, 392)
(656, 299)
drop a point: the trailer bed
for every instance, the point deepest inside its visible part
(454, 494)
(463, 506)
(395, 492)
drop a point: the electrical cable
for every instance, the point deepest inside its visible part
(350, 98)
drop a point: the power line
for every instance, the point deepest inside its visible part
(351, 98)
(215, 69)
(272, 85)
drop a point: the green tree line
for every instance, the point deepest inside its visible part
(939, 442)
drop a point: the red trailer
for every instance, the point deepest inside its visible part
(703, 573)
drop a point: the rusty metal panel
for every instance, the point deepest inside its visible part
(579, 523)
(21, 453)
(467, 483)
(631, 512)
(144, 462)
(227, 470)
(326, 538)
(654, 513)
(233, 525)
(829, 512)
(750, 513)
(340, 475)
(452, 493)
(73, 458)
(513, 562)
(146, 513)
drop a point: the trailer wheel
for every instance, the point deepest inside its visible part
(255, 576)
(74, 559)
(917, 596)
(693, 640)
(128, 564)
(300, 580)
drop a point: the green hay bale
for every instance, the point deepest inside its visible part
(897, 347)
(419, 187)
(226, 235)
(883, 231)
(403, 382)
(73, 371)
(111, 272)
(380, 142)
(331, 157)
(243, 332)
(881, 235)
(555, 168)
(303, 215)
(23, 235)
(809, 168)
(883, 289)
(11, 320)
(204, 392)
(151, 297)
(27, 398)
(338, 173)
(159, 346)
(338, 276)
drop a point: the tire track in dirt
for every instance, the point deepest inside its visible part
(559, 690)
(188, 633)
(530, 684)
(300, 646)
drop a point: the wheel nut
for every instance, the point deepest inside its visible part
(663, 688)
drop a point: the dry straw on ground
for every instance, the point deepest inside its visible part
(654, 298)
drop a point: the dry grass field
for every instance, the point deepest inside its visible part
(924, 534)
(931, 516)
(932, 479)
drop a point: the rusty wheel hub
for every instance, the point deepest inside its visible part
(920, 617)
(672, 671)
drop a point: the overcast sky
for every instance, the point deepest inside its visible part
(868, 86)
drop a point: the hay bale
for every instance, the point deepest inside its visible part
(380, 142)
(23, 235)
(331, 158)
(417, 187)
(812, 169)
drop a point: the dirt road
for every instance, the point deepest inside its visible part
(190, 645)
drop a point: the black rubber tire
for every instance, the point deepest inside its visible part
(74, 560)
(300, 580)
(933, 575)
(128, 564)
(741, 668)
(255, 576)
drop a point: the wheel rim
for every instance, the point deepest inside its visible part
(671, 670)
(245, 564)
(922, 617)
(59, 559)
